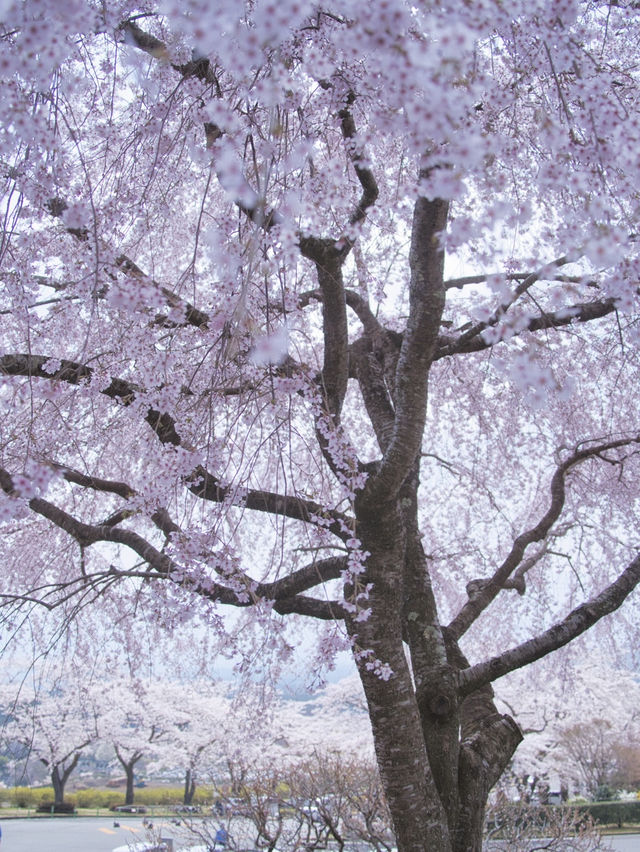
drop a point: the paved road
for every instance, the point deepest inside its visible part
(85, 834)
(81, 834)
(618, 843)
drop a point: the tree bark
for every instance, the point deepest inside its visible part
(439, 750)
(418, 816)
(129, 769)
(57, 782)
(189, 787)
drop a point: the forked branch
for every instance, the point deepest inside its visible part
(578, 621)
(483, 596)
(242, 591)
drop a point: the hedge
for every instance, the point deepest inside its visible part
(533, 816)
(49, 807)
(32, 797)
(26, 797)
(613, 813)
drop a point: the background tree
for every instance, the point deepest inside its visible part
(198, 723)
(576, 731)
(132, 720)
(55, 727)
(627, 765)
(328, 312)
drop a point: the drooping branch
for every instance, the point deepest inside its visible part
(285, 592)
(579, 620)
(255, 208)
(74, 373)
(200, 482)
(192, 315)
(208, 487)
(483, 595)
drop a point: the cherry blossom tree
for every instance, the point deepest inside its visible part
(575, 730)
(132, 719)
(198, 724)
(54, 727)
(327, 313)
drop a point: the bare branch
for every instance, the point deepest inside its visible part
(488, 591)
(524, 285)
(364, 174)
(94, 482)
(305, 578)
(579, 313)
(466, 280)
(577, 622)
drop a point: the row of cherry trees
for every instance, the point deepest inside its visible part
(159, 724)
(195, 729)
(207, 732)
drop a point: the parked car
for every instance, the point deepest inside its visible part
(231, 807)
(129, 809)
(187, 809)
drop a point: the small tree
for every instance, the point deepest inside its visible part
(590, 749)
(132, 720)
(55, 727)
(514, 827)
(197, 723)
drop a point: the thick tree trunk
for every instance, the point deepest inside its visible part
(57, 782)
(129, 794)
(189, 787)
(129, 767)
(59, 777)
(439, 753)
(419, 820)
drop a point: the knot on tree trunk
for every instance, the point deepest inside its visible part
(438, 695)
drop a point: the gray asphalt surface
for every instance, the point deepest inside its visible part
(83, 834)
(71, 835)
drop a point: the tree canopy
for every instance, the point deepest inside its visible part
(328, 311)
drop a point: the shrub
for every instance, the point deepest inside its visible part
(562, 827)
(92, 798)
(50, 808)
(28, 797)
(613, 813)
